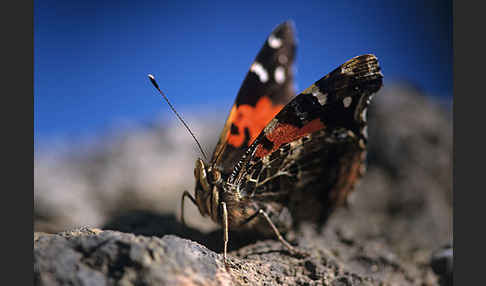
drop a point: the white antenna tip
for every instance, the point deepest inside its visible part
(152, 79)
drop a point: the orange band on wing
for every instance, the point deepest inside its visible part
(286, 133)
(254, 118)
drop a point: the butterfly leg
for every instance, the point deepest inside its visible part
(276, 231)
(225, 231)
(292, 249)
(184, 195)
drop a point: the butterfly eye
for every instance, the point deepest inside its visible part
(215, 176)
(212, 175)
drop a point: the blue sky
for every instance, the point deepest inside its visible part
(91, 58)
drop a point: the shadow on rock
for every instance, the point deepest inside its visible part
(146, 223)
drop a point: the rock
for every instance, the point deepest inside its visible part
(94, 257)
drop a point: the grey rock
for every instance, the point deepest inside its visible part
(94, 257)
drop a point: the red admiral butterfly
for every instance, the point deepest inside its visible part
(282, 159)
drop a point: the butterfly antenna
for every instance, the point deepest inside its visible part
(152, 79)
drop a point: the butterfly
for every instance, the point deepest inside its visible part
(283, 158)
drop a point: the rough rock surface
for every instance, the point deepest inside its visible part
(95, 257)
(393, 233)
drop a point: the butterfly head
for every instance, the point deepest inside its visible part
(206, 192)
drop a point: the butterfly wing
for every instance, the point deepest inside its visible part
(309, 157)
(268, 86)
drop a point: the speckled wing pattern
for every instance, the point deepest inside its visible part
(267, 87)
(311, 154)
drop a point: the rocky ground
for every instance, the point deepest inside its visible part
(127, 189)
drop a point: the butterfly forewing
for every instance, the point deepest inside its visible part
(267, 87)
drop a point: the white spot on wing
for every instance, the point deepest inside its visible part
(362, 144)
(260, 71)
(279, 74)
(321, 97)
(347, 101)
(274, 42)
(365, 131)
(363, 115)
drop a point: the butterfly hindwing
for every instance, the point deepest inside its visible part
(266, 89)
(313, 152)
